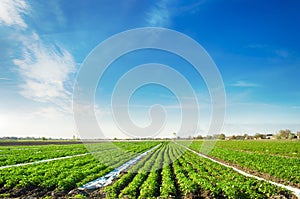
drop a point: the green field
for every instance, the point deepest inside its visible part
(167, 172)
(276, 160)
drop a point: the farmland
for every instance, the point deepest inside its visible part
(24, 154)
(276, 160)
(66, 174)
(168, 171)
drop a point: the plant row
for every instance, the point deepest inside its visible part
(64, 175)
(173, 172)
(12, 155)
(284, 168)
(22, 154)
(223, 181)
(288, 148)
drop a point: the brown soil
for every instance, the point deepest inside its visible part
(32, 193)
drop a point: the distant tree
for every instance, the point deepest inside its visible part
(285, 134)
(199, 137)
(43, 138)
(277, 136)
(221, 136)
(259, 136)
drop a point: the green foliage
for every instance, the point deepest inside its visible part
(167, 172)
(23, 154)
(168, 188)
(67, 174)
(268, 157)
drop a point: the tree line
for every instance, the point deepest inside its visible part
(286, 134)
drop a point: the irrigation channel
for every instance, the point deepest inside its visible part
(295, 191)
(108, 178)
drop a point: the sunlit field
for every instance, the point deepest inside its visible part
(169, 171)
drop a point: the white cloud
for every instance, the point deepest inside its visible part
(244, 84)
(46, 70)
(159, 15)
(11, 12)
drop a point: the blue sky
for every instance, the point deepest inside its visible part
(255, 45)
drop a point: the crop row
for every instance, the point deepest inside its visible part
(135, 187)
(220, 180)
(284, 168)
(175, 172)
(290, 148)
(64, 175)
(168, 187)
(143, 179)
(22, 154)
(114, 190)
(286, 148)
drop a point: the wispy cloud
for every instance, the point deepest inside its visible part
(11, 12)
(162, 12)
(5, 79)
(159, 15)
(244, 84)
(193, 7)
(46, 70)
